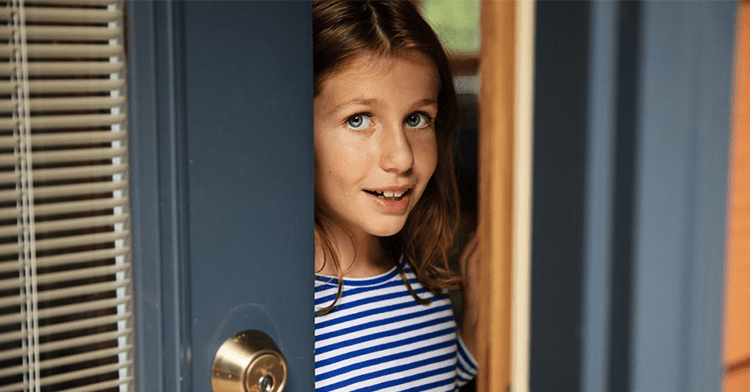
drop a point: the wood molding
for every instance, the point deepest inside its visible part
(737, 297)
(523, 176)
(496, 127)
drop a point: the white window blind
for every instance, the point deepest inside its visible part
(65, 279)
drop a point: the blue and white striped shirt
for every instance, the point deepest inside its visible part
(378, 338)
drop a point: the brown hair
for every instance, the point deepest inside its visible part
(343, 30)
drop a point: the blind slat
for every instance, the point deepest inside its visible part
(80, 3)
(13, 283)
(7, 249)
(11, 336)
(68, 376)
(10, 301)
(81, 324)
(9, 159)
(74, 138)
(9, 177)
(100, 386)
(81, 307)
(87, 154)
(82, 290)
(9, 371)
(11, 319)
(107, 384)
(17, 387)
(91, 51)
(8, 141)
(80, 223)
(65, 138)
(69, 173)
(80, 257)
(68, 68)
(66, 173)
(76, 274)
(82, 340)
(59, 86)
(66, 103)
(64, 33)
(67, 51)
(70, 121)
(9, 266)
(64, 190)
(78, 206)
(60, 208)
(80, 240)
(8, 123)
(70, 359)
(34, 14)
(14, 353)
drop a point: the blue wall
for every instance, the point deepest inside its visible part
(632, 117)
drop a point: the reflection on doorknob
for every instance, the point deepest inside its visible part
(249, 361)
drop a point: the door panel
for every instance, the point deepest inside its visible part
(221, 100)
(248, 98)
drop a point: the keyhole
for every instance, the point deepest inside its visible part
(265, 384)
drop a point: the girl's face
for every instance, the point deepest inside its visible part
(375, 144)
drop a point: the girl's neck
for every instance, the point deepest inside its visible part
(359, 256)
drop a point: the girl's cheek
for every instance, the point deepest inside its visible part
(426, 152)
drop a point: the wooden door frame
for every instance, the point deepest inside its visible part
(737, 292)
(505, 176)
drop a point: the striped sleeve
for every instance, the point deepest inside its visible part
(466, 366)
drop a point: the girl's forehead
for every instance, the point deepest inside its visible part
(372, 67)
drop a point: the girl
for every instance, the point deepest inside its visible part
(385, 204)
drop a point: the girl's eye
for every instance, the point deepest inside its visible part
(417, 120)
(359, 121)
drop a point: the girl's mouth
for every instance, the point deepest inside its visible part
(390, 195)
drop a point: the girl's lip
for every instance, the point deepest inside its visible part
(389, 205)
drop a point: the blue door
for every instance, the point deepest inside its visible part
(222, 195)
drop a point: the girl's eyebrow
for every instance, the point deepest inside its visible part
(370, 101)
(357, 101)
(426, 102)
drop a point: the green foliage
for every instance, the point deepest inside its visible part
(456, 22)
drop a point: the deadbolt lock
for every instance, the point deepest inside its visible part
(249, 361)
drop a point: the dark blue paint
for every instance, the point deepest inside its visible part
(600, 183)
(143, 194)
(222, 138)
(561, 88)
(685, 106)
(632, 99)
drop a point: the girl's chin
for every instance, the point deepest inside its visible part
(389, 230)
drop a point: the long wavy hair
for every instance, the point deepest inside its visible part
(343, 30)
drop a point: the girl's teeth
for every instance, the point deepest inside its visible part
(392, 194)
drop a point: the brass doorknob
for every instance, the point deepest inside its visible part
(249, 361)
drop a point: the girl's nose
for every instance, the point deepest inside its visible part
(396, 153)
